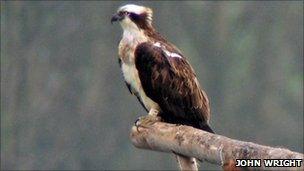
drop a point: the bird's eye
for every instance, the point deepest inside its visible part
(123, 13)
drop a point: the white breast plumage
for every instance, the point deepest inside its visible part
(128, 67)
(130, 74)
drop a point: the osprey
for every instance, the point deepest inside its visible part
(157, 73)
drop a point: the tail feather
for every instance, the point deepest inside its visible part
(207, 128)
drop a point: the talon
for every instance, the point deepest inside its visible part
(137, 128)
(137, 124)
(145, 121)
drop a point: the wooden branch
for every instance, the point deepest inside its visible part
(204, 146)
(186, 163)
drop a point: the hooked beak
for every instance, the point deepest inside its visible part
(116, 17)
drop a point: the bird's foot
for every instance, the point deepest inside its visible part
(145, 121)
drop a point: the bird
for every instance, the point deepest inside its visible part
(157, 72)
(159, 75)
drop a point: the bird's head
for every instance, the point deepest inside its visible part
(133, 16)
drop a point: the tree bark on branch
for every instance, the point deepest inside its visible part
(204, 146)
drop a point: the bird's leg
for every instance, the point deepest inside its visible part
(147, 120)
(153, 112)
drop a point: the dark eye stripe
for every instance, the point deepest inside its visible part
(136, 17)
(139, 19)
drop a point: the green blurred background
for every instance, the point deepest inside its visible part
(64, 104)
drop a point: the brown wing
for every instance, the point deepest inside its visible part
(171, 82)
